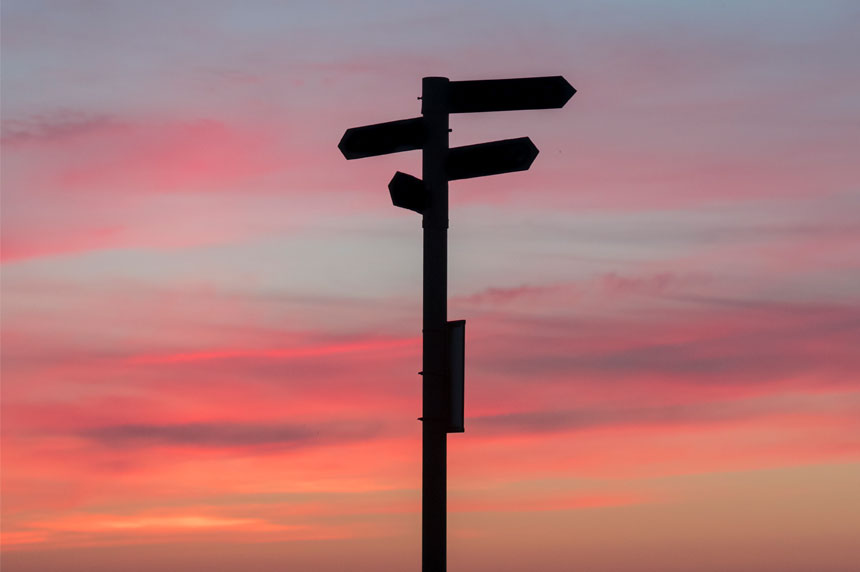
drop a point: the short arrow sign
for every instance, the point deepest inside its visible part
(492, 158)
(382, 138)
(549, 92)
(408, 192)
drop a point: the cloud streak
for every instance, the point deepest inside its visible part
(845, 405)
(230, 435)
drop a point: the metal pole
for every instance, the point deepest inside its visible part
(435, 363)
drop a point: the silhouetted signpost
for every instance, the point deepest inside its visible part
(443, 347)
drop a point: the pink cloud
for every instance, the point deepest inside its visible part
(24, 245)
(534, 503)
(655, 284)
(499, 296)
(183, 410)
(74, 182)
(283, 353)
(643, 451)
(77, 153)
(605, 288)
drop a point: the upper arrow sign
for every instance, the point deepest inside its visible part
(382, 138)
(492, 158)
(549, 92)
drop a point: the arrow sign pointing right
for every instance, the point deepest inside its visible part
(382, 138)
(549, 92)
(492, 158)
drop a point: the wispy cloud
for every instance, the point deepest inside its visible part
(215, 434)
(372, 344)
(702, 413)
(59, 127)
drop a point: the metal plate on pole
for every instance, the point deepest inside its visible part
(456, 375)
(550, 92)
(492, 158)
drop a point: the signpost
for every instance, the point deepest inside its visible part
(443, 344)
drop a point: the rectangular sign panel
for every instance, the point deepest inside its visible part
(456, 375)
(549, 92)
(492, 158)
(383, 138)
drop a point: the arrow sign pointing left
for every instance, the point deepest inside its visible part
(492, 158)
(408, 192)
(383, 138)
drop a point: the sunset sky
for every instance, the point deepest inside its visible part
(211, 321)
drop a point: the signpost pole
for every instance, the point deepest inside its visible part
(435, 363)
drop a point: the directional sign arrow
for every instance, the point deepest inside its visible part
(382, 138)
(549, 92)
(492, 158)
(408, 192)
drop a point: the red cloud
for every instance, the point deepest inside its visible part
(90, 154)
(75, 182)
